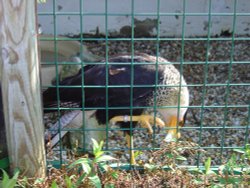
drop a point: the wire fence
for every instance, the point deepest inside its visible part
(215, 67)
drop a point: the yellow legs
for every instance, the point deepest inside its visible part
(145, 121)
(130, 143)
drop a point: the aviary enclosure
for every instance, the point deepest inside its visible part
(207, 42)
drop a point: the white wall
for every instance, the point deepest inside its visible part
(170, 25)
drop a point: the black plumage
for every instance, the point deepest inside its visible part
(144, 78)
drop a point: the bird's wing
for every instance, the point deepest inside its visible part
(125, 81)
(69, 92)
(138, 79)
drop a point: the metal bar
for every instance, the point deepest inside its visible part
(132, 80)
(156, 68)
(151, 39)
(142, 14)
(107, 72)
(57, 73)
(148, 63)
(204, 87)
(181, 59)
(228, 82)
(159, 85)
(144, 107)
(83, 80)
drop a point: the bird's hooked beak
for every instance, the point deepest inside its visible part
(173, 132)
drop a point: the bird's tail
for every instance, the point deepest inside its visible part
(50, 97)
(54, 99)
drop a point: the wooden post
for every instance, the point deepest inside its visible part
(20, 81)
(3, 143)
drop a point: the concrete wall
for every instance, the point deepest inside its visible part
(144, 25)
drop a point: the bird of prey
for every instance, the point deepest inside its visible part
(122, 89)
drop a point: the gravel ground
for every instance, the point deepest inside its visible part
(211, 120)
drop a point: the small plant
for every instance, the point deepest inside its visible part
(161, 170)
(208, 171)
(92, 167)
(244, 160)
(235, 165)
(170, 155)
(7, 181)
(234, 172)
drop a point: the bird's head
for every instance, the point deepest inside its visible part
(173, 120)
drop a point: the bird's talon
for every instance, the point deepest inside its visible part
(146, 125)
(144, 120)
(147, 120)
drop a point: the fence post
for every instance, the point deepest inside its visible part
(3, 144)
(20, 81)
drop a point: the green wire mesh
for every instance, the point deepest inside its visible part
(199, 106)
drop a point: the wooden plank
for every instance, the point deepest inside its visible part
(3, 143)
(19, 73)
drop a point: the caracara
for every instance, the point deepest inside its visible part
(123, 90)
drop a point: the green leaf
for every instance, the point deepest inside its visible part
(39, 181)
(86, 168)
(6, 178)
(239, 150)
(54, 184)
(195, 171)
(68, 182)
(137, 153)
(16, 173)
(210, 172)
(234, 180)
(103, 167)
(98, 153)
(7, 181)
(169, 155)
(198, 181)
(181, 158)
(80, 180)
(104, 158)
(170, 167)
(95, 180)
(247, 151)
(207, 165)
(222, 180)
(97, 147)
(230, 180)
(84, 162)
(221, 168)
(232, 161)
(115, 175)
(79, 161)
